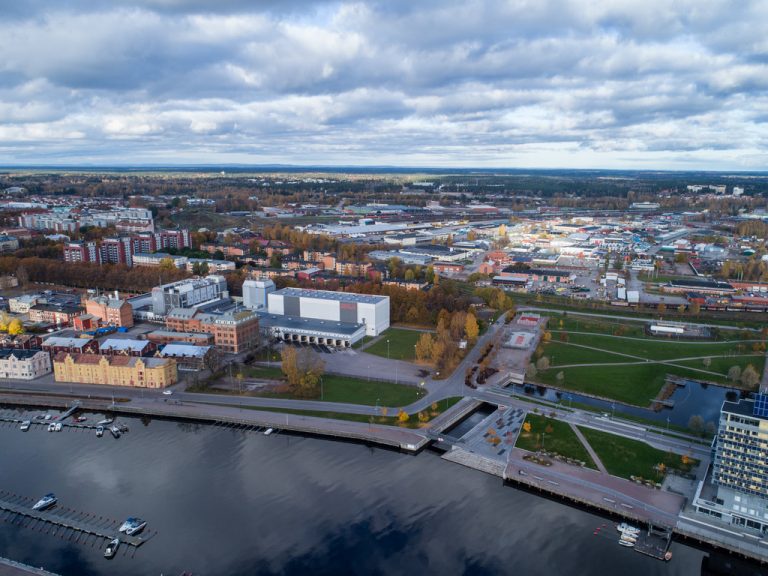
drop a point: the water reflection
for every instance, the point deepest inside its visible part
(238, 503)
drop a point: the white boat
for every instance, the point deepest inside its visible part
(45, 502)
(106, 422)
(268, 431)
(25, 425)
(99, 431)
(627, 543)
(112, 548)
(625, 528)
(57, 427)
(132, 526)
(51, 427)
(115, 431)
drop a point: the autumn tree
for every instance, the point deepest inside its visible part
(303, 370)
(15, 327)
(542, 364)
(696, 423)
(750, 377)
(424, 347)
(471, 328)
(734, 373)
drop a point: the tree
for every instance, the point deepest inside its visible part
(710, 428)
(542, 364)
(549, 429)
(471, 328)
(402, 416)
(527, 426)
(696, 423)
(4, 321)
(15, 327)
(22, 276)
(749, 377)
(531, 371)
(734, 373)
(547, 336)
(167, 264)
(429, 275)
(707, 362)
(662, 308)
(695, 308)
(409, 275)
(424, 347)
(560, 377)
(303, 370)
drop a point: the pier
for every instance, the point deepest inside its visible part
(66, 519)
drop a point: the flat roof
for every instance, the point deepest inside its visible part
(267, 320)
(330, 295)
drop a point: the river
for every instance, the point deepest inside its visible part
(229, 502)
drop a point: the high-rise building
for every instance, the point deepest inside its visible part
(116, 251)
(82, 252)
(739, 466)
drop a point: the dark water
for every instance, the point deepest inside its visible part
(227, 502)
(694, 398)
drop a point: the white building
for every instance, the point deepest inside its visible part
(22, 304)
(188, 293)
(255, 293)
(346, 307)
(24, 364)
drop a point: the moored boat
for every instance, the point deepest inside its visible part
(112, 548)
(45, 502)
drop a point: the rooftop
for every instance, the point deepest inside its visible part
(330, 295)
(19, 354)
(310, 324)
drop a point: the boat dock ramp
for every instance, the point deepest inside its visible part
(65, 522)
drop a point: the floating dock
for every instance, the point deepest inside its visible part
(68, 519)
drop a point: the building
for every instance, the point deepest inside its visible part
(114, 370)
(22, 304)
(8, 243)
(738, 491)
(188, 293)
(255, 293)
(370, 310)
(234, 332)
(188, 356)
(127, 347)
(158, 259)
(24, 364)
(116, 251)
(20, 341)
(211, 264)
(111, 311)
(162, 337)
(311, 331)
(82, 252)
(56, 344)
(54, 313)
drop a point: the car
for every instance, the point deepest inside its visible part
(167, 392)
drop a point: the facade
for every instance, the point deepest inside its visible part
(311, 331)
(739, 471)
(188, 293)
(162, 337)
(8, 243)
(188, 356)
(24, 364)
(111, 311)
(82, 252)
(370, 310)
(127, 347)
(255, 293)
(54, 313)
(116, 251)
(232, 332)
(57, 344)
(115, 370)
(22, 304)
(157, 259)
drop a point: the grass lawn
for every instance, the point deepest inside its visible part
(266, 372)
(355, 391)
(625, 457)
(401, 343)
(412, 422)
(561, 439)
(561, 353)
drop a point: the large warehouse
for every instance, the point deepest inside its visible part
(344, 307)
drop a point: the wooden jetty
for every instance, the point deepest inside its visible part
(68, 519)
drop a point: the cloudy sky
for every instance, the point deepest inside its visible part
(520, 83)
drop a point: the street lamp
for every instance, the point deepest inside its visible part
(387, 348)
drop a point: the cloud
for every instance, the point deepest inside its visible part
(477, 82)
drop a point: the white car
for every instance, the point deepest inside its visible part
(167, 392)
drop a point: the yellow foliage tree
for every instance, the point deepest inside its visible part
(402, 416)
(527, 426)
(424, 347)
(471, 329)
(15, 327)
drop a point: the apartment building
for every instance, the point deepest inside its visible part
(24, 364)
(115, 370)
(234, 332)
(111, 311)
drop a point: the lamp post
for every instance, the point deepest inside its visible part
(387, 348)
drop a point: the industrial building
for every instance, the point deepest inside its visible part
(255, 293)
(311, 331)
(345, 307)
(188, 293)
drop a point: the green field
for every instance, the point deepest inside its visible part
(562, 439)
(624, 457)
(354, 391)
(634, 383)
(401, 343)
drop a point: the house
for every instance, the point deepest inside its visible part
(188, 356)
(127, 347)
(114, 370)
(24, 364)
(56, 344)
(111, 311)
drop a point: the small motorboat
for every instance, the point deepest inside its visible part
(123, 428)
(106, 422)
(99, 431)
(268, 431)
(81, 419)
(51, 427)
(25, 425)
(111, 549)
(115, 431)
(132, 526)
(45, 502)
(57, 427)
(625, 528)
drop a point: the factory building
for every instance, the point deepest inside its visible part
(344, 307)
(255, 293)
(188, 293)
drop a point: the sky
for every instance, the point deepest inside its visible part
(636, 84)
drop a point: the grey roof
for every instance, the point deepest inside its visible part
(19, 354)
(177, 350)
(310, 324)
(124, 344)
(329, 295)
(66, 341)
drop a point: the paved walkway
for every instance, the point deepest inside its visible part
(590, 450)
